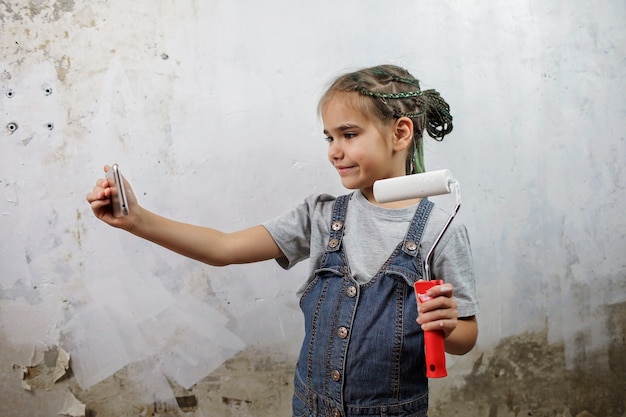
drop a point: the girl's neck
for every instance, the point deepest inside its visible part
(368, 193)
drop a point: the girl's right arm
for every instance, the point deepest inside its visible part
(204, 244)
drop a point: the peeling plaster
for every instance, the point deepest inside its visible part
(197, 101)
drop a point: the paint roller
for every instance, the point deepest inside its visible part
(427, 184)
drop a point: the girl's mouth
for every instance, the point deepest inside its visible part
(344, 170)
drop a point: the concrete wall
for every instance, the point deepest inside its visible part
(209, 108)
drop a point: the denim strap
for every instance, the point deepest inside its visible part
(413, 237)
(337, 222)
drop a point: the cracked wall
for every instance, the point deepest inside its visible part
(210, 110)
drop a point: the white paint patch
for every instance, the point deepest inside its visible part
(99, 340)
(209, 107)
(189, 352)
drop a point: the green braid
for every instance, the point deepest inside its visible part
(406, 94)
(418, 158)
(439, 118)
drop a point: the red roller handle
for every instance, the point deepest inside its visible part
(434, 347)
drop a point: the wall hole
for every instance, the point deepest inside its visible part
(12, 127)
(50, 126)
(47, 90)
(10, 93)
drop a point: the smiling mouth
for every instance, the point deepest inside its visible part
(344, 170)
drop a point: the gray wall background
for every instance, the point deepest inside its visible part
(210, 109)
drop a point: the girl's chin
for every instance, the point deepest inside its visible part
(350, 185)
(354, 185)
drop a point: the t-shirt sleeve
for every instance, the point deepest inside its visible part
(453, 263)
(292, 230)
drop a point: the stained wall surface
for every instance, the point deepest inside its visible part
(209, 107)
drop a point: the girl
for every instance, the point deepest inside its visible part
(362, 353)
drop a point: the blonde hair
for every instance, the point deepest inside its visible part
(386, 93)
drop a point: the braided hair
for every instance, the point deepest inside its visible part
(388, 92)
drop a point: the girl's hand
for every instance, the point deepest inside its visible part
(100, 201)
(440, 312)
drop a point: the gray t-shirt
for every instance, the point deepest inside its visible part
(371, 235)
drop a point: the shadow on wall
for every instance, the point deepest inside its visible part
(526, 376)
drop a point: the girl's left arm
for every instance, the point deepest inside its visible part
(463, 338)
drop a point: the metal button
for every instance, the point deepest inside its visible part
(335, 375)
(333, 243)
(342, 332)
(336, 413)
(351, 291)
(337, 225)
(411, 245)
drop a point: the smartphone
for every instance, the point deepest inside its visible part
(119, 202)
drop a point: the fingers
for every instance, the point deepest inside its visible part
(102, 182)
(99, 200)
(440, 311)
(432, 311)
(101, 191)
(444, 324)
(447, 290)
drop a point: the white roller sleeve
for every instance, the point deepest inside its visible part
(413, 186)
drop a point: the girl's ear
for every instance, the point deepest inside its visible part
(402, 133)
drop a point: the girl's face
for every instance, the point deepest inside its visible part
(359, 148)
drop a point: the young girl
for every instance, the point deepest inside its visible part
(362, 353)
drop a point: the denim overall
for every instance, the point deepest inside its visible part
(363, 351)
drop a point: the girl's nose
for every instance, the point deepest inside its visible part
(334, 151)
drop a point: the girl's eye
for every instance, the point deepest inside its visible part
(349, 135)
(328, 139)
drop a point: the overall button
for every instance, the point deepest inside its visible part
(351, 291)
(411, 246)
(342, 332)
(336, 413)
(335, 375)
(337, 225)
(333, 243)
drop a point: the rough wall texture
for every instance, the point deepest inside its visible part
(209, 107)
